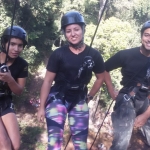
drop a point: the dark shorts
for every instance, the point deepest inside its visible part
(6, 111)
(6, 105)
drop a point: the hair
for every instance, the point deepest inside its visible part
(80, 24)
(6, 38)
(145, 26)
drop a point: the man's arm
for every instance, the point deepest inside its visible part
(142, 119)
(109, 85)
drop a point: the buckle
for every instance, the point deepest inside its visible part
(143, 87)
(12, 106)
(75, 87)
(2, 94)
(126, 97)
(53, 97)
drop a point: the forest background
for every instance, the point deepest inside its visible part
(119, 29)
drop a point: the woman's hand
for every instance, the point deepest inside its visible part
(6, 77)
(142, 119)
(41, 114)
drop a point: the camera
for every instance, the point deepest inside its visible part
(4, 68)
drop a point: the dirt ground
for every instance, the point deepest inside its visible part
(104, 139)
(104, 142)
(34, 137)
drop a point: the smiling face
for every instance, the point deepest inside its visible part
(15, 47)
(145, 39)
(74, 33)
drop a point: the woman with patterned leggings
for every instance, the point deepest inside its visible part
(70, 67)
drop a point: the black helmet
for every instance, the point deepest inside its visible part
(145, 26)
(71, 17)
(17, 32)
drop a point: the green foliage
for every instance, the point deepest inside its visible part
(29, 137)
(68, 5)
(91, 11)
(41, 19)
(141, 10)
(30, 56)
(122, 9)
(37, 18)
(112, 36)
(4, 19)
(135, 12)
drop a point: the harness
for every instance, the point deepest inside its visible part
(131, 96)
(139, 86)
(5, 96)
(132, 93)
(77, 87)
(63, 90)
(4, 89)
(5, 102)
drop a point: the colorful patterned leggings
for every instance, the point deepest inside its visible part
(78, 119)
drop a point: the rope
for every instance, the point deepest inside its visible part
(11, 30)
(68, 142)
(99, 22)
(101, 124)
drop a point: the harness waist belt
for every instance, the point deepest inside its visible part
(75, 86)
(131, 94)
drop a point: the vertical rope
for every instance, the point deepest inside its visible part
(11, 30)
(101, 124)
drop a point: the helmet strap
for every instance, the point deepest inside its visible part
(78, 45)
